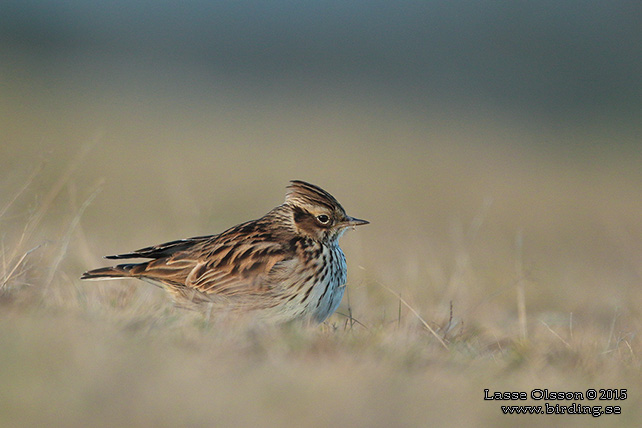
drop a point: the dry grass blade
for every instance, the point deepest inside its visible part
(556, 335)
(18, 264)
(351, 319)
(425, 324)
(49, 198)
(611, 331)
(628, 345)
(72, 227)
(24, 187)
(521, 294)
(58, 186)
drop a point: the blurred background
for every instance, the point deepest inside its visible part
(423, 117)
(489, 143)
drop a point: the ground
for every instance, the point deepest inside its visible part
(501, 255)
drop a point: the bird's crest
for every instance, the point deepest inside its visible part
(302, 193)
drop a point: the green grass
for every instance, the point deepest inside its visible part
(525, 261)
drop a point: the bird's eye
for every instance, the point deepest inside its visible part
(323, 219)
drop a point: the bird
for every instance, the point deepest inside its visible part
(284, 266)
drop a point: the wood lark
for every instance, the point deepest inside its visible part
(285, 265)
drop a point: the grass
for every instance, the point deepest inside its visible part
(485, 266)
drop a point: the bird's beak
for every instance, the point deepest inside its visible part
(352, 222)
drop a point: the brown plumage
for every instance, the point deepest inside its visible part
(285, 265)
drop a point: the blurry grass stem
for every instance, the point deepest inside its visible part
(521, 297)
(425, 324)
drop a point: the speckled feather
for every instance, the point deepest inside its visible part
(285, 265)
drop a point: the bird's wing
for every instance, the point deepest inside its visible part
(164, 250)
(236, 262)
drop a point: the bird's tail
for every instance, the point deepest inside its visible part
(120, 271)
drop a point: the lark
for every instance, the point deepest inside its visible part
(283, 266)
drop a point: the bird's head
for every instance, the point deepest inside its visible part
(316, 213)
